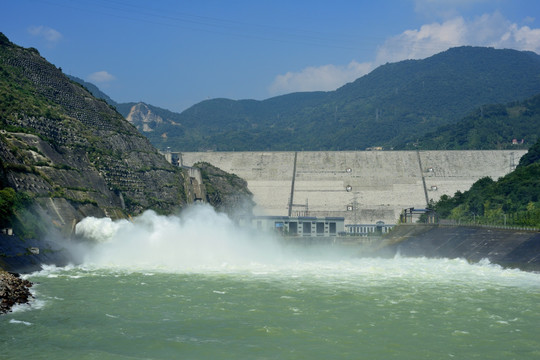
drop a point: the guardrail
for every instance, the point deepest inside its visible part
(489, 226)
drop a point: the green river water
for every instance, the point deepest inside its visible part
(168, 300)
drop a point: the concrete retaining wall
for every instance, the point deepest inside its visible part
(362, 186)
(506, 247)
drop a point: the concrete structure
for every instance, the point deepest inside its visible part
(508, 247)
(380, 228)
(362, 186)
(195, 191)
(300, 226)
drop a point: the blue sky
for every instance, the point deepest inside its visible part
(174, 54)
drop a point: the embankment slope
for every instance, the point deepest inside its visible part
(506, 247)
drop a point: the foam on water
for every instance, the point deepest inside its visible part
(203, 241)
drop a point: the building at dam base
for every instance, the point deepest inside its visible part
(305, 226)
(363, 187)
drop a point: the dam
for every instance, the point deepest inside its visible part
(364, 187)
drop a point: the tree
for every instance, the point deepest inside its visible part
(10, 202)
(7, 202)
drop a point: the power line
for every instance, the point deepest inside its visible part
(129, 11)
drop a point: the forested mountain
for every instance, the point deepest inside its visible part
(512, 200)
(395, 102)
(515, 125)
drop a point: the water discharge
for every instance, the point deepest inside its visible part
(196, 239)
(198, 286)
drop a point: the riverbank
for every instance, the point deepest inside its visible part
(28, 255)
(13, 290)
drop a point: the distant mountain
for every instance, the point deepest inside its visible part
(394, 103)
(515, 125)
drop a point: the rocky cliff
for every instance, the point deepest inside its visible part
(142, 117)
(224, 191)
(72, 154)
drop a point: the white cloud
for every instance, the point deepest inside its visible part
(321, 78)
(523, 38)
(101, 77)
(50, 35)
(420, 43)
(492, 30)
(487, 30)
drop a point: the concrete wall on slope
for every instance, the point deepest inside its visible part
(506, 247)
(362, 186)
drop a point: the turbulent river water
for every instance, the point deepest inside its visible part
(195, 286)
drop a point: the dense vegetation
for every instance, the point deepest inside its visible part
(393, 103)
(488, 127)
(10, 202)
(512, 200)
(531, 157)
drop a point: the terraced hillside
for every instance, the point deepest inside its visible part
(70, 153)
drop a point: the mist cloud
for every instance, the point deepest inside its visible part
(195, 239)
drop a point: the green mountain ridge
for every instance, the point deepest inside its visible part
(395, 103)
(515, 125)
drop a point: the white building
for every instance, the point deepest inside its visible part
(300, 226)
(368, 229)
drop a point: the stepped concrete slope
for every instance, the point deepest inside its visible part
(362, 186)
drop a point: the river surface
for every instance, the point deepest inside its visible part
(280, 303)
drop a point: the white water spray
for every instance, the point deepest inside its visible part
(197, 238)
(201, 240)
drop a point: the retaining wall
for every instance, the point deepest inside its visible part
(507, 247)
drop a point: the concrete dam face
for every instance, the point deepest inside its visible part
(364, 187)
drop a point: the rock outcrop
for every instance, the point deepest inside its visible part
(224, 191)
(142, 117)
(13, 290)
